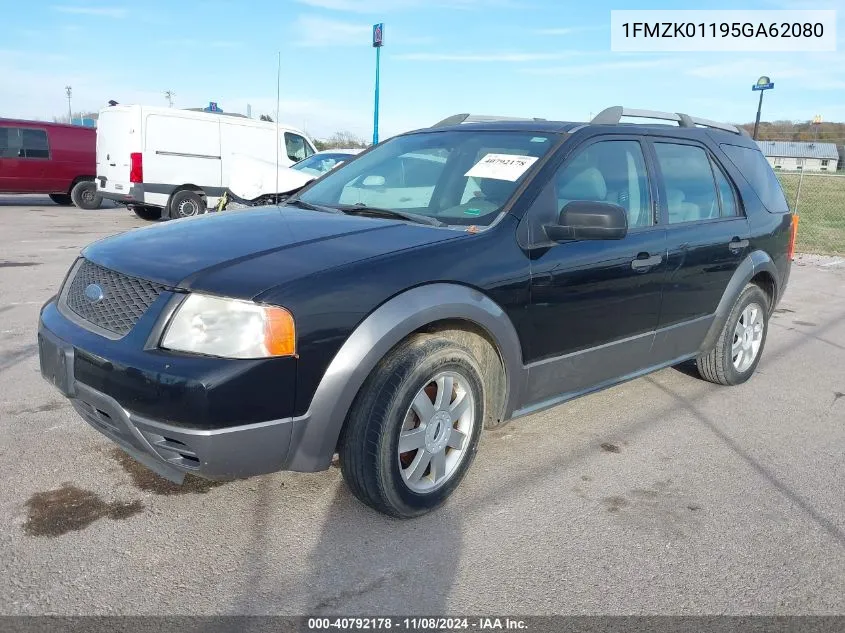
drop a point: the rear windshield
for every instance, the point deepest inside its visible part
(754, 166)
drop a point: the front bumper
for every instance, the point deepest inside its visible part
(170, 449)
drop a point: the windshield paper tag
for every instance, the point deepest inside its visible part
(501, 167)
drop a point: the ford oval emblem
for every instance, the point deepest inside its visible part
(94, 293)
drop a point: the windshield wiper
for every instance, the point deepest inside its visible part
(360, 207)
(311, 207)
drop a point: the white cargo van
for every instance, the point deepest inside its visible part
(171, 163)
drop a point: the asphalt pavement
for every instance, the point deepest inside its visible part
(664, 495)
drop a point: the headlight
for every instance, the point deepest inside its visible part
(230, 328)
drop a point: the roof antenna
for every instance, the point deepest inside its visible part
(278, 96)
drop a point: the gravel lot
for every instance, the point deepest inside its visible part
(663, 495)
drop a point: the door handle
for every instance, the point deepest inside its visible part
(644, 261)
(737, 244)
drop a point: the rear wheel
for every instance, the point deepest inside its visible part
(413, 431)
(61, 199)
(84, 195)
(186, 204)
(739, 347)
(147, 213)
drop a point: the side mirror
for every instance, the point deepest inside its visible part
(373, 181)
(587, 220)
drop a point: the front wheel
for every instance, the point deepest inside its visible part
(413, 430)
(84, 195)
(739, 347)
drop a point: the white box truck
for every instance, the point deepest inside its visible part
(172, 163)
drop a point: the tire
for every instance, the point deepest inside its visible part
(387, 405)
(61, 199)
(186, 204)
(147, 213)
(84, 195)
(721, 365)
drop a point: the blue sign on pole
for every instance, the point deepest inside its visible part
(764, 83)
(378, 35)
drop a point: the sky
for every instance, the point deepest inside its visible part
(543, 58)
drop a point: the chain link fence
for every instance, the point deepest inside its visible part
(819, 200)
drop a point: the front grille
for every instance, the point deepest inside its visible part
(124, 299)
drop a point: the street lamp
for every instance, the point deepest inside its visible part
(378, 42)
(763, 84)
(69, 92)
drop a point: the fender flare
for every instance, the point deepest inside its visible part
(754, 263)
(315, 438)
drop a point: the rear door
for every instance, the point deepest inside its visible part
(707, 238)
(118, 135)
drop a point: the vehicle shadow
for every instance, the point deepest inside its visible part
(360, 563)
(39, 202)
(411, 564)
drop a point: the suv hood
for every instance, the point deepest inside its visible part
(241, 253)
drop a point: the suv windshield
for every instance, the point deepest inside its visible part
(457, 177)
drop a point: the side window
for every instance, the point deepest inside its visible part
(755, 168)
(11, 143)
(35, 143)
(688, 178)
(726, 193)
(608, 171)
(296, 147)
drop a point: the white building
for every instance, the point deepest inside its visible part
(800, 155)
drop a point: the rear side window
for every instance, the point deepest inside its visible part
(35, 143)
(688, 177)
(16, 142)
(753, 165)
(726, 193)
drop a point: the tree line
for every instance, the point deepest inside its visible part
(798, 131)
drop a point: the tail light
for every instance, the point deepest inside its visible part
(136, 167)
(792, 237)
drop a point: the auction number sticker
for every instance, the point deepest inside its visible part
(501, 167)
(730, 30)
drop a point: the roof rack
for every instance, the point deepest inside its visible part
(612, 116)
(457, 119)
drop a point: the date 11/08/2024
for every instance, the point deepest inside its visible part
(416, 624)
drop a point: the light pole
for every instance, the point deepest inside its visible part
(169, 94)
(817, 121)
(69, 93)
(763, 84)
(378, 42)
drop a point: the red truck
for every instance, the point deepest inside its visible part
(51, 158)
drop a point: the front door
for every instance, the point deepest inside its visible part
(594, 304)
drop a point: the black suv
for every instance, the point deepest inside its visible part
(444, 281)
